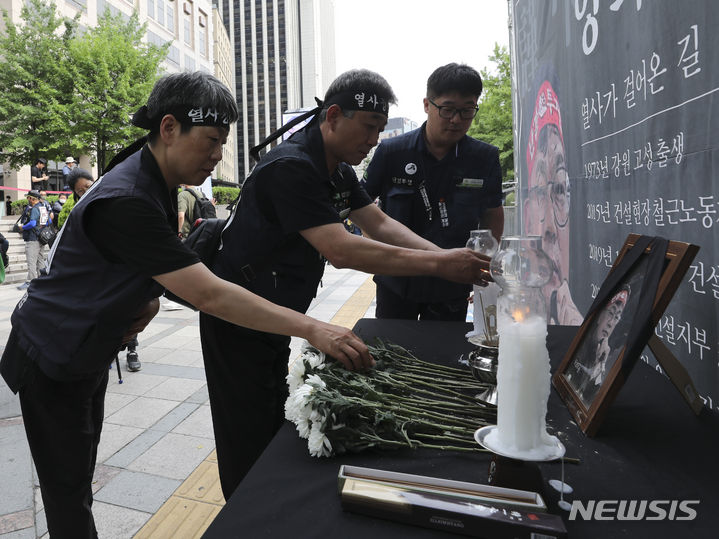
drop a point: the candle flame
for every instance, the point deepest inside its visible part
(518, 315)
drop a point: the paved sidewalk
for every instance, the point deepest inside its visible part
(156, 474)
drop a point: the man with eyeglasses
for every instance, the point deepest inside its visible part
(441, 184)
(546, 206)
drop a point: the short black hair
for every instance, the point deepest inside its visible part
(359, 78)
(74, 176)
(459, 78)
(190, 88)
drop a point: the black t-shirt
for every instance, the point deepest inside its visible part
(292, 197)
(129, 230)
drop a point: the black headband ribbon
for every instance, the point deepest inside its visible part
(359, 100)
(186, 115)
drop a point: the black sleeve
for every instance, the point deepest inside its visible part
(130, 231)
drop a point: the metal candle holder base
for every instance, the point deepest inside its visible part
(483, 362)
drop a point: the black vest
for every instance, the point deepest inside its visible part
(285, 268)
(408, 166)
(71, 321)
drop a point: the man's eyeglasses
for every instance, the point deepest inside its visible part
(448, 112)
(556, 193)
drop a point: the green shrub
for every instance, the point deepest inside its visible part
(69, 204)
(225, 195)
(17, 207)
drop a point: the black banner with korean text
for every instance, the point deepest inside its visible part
(617, 102)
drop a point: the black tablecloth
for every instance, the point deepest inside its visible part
(650, 447)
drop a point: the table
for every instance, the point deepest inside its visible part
(650, 447)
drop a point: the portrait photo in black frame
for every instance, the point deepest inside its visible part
(619, 324)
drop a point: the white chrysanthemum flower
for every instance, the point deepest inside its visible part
(296, 376)
(316, 380)
(303, 428)
(318, 444)
(296, 405)
(314, 357)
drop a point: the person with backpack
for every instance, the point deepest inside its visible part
(103, 283)
(34, 218)
(192, 204)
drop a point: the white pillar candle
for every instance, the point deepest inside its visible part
(523, 381)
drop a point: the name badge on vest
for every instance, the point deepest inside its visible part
(475, 183)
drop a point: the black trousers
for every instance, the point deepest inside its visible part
(246, 374)
(63, 422)
(391, 305)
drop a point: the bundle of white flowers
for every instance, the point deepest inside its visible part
(401, 402)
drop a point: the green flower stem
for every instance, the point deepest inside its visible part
(463, 397)
(418, 443)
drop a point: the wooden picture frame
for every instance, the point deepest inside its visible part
(601, 354)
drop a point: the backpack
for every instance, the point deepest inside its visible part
(204, 239)
(204, 208)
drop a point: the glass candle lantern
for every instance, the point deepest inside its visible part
(521, 268)
(485, 297)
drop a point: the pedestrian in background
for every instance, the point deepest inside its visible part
(33, 219)
(79, 181)
(38, 174)
(70, 165)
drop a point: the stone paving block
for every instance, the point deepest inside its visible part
(27, 533)
(136, 490)
(152, 330)
(16, 477)
(175, 389)
(39, 504)
(203, 485)
(152, 353)
(174, 341)
(188, 331)
(134, 449)
(40, 523)
(194, 345)
(143, 412)
(175, 456)
(116, 401)
(175, 371)
(201, 396)
(115, 437)
(199, 423)
(17, 521)
(113, 522)
(175, 417)
(103, 475)
(180, 518)
(9, 402)
(135, 383)
(178, 357)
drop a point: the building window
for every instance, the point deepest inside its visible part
(202, 33)
(170, 16)
(187, 9)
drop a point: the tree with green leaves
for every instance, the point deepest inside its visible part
(113, 72)
(493, 123)
(35, 87)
